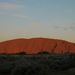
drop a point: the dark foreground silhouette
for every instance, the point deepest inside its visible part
(37, 64)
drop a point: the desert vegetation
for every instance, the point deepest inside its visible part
(42, 63)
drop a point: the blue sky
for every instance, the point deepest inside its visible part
(37, 18)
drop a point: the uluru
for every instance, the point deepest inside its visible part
(35, 45)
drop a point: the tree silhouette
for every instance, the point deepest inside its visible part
(21, 53)
(44, 52)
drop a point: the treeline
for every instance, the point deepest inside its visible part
(43, 52)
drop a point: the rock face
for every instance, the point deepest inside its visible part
(35, 45)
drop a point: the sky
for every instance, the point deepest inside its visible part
(37, 18)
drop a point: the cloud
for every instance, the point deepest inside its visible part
(5, 5)
(66, 27)
(20, 16)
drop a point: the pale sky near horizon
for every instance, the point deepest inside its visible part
(37, 18)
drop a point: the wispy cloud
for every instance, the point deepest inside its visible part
(66, 27)
(5, 5)
(20, 16)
